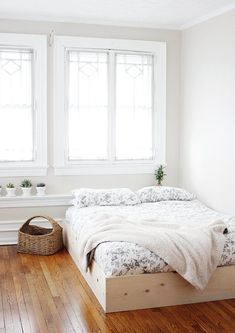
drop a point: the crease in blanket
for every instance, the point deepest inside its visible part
(193, 252)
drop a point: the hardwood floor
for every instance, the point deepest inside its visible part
(48, 294)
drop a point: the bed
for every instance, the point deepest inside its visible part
(126, 276)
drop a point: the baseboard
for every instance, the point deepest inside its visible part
(9, 229)
(8, 240)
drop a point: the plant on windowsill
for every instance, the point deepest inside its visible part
(10, 188)
(160, 174)
(26, 186)
(41, 188)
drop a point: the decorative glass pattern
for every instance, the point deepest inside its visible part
(112, 111)
(16, 116)
(134, 106)
(87, 105)
(11, 67)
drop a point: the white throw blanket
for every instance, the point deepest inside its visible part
(193, 252)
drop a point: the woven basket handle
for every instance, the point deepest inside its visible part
(54, 224)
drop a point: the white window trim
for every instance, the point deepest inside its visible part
(61, 165)
(47, 200)
(37, 167)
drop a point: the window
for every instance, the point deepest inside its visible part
(134, 106)
(22, 105)
(87, 105)
(109, 106)
(16, 103)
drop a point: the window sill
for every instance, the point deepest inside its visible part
(36, 201)
(106, 169)
(22, 171)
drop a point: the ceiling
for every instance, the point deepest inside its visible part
(174, 14)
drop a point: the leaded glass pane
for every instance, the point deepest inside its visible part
(16, 116)
(134, 77)
(87, 105)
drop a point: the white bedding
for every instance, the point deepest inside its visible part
(122, 258)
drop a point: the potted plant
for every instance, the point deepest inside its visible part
(160, 174)
(26, 186)
(10, 190)
(41, 188)
(0, 189)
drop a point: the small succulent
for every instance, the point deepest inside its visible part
(41, 185)
(10, 185)
(160, 174)
(26, 183)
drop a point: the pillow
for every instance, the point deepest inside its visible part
(163, 193)
(85, 197)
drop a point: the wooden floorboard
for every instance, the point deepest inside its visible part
(48, 294)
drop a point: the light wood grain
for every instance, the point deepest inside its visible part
(49, 294)
(164, 289)
(143, 291)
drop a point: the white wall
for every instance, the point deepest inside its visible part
(58, 184)
(207, 155)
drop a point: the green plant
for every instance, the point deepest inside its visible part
(26, 183)
(10, 185)
(41, 185)
(160, 174)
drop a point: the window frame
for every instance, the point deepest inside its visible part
(38, 166)
(62, 165)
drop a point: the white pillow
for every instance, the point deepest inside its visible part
(85, 197)
(163, 193)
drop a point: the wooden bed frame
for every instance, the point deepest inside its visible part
(131, 292)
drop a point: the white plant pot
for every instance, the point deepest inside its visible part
(11, 192)
(41, 190)
(26, 191)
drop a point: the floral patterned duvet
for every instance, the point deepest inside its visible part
(122, 258)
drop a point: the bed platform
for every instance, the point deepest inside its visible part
(131, 292)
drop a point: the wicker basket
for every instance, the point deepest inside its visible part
(37, 240)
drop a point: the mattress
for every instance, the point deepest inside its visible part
(123, 258)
